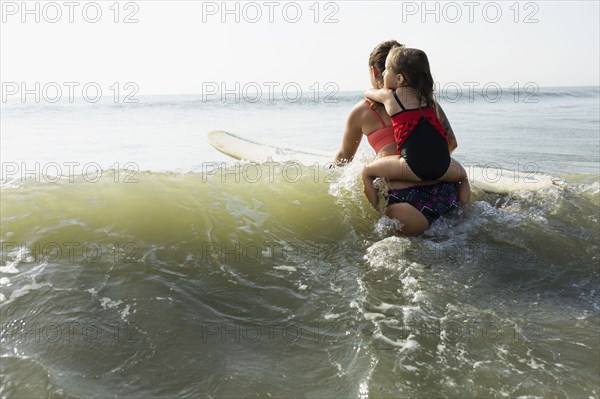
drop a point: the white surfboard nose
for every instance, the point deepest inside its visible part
(240, 147)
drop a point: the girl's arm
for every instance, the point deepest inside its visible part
(379, 95)
(384, 96)
(452, 144)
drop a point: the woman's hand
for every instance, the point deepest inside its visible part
(339, 161)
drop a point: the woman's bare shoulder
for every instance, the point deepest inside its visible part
(362, 108)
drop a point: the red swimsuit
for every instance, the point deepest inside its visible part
(405, 122)
(421, 141)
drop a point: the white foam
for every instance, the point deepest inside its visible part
(409, 282)
(340, 369)
(373, 316)
(480, 363)
(348, 180)
(388, 253)
(410, 368)
(286, 268)
(19, 255)
(125, 313)
(267, 252)
(390, 322)
(108, 303)
(412, 314)
(590, 190)
(531, 362)
(581, 344)
(420, 297)
(363, 390)
(408, 344)
(535, 365)
(9, 269)
(386, 225)
(334, 288)
(26, 289)
(386, 306)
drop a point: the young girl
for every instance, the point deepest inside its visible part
(421, 140)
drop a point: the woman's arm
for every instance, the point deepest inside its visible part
(452, 144)
(352, 135)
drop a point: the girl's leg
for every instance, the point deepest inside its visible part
(457, 174)
(392, 167)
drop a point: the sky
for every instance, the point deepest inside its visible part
(190, 47)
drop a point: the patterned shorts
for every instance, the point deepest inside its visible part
(432, 200)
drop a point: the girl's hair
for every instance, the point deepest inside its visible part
(380, 53)
(413, 65)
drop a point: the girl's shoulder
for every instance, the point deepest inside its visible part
(408, 98)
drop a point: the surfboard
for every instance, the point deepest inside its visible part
(246, 149)
(489, 179)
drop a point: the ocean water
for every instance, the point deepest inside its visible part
(137, 261)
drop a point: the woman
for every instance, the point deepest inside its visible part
(414, 204)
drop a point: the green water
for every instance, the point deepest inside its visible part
(185, 285)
